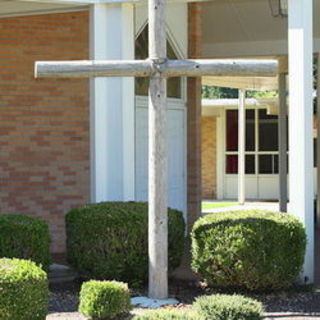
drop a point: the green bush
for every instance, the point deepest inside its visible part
(24, 237)
(255, 250)
(104, 299)
(168, 315)
(23, 290)
(226, 307)
(110, 240)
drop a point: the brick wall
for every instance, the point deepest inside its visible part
(194, 117)
(208, 151)
(44, 124)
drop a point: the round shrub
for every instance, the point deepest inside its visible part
(167, 315)
(24, 237)
(255, 250)
(104, 299)
(110, 240)
(23, 290)
(226, 307)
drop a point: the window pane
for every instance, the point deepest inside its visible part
(265, 164)
(276, 164)
(142, 84)
(250, 164)
(232, 164)
(268, 131)
(250, 132)
(232, 130)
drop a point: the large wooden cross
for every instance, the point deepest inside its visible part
(158, 68)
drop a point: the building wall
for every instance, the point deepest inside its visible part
(44, 124)
(209, 154)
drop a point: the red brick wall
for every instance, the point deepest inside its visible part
(194, 117)
(44, 124)
(209, 155)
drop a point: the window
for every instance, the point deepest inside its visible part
(261, 154)
(141, 52)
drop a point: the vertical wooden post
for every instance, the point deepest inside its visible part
(158, 208)
(282, 135)
(241, 147)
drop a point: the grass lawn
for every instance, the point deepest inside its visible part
(215, 205)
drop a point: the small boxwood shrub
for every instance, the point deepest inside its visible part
(24, 237)
(23, 290)
(227, 307)
(168, 315)
(110, 240)
(104, 299)
(255, 250)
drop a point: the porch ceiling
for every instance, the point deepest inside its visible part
(248, 83)
(246, 27)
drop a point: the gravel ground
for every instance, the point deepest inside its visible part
(297, 304)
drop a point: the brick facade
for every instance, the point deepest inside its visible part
(44, 163)
(194, 117)
(209, 157)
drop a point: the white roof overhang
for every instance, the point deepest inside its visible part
(246, 83)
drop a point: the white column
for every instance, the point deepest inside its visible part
(241, 147)
(112, 105)
(300, 123)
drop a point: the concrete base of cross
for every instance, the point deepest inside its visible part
(145, 302)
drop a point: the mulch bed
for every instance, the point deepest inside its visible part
(297, 301)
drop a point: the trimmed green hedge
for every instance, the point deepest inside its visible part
(110, 240)
(167, 315)
(255, 250)
(227, 307)
(104, 299)
(23, 290)
(25, 237)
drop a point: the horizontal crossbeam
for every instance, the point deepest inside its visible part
(147, 68)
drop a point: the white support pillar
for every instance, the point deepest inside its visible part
(241, 147)
(301, 124)
(112, 105)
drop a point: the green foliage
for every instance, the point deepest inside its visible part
(227, 307)
(104, 299)
(168, 315)
(110, 240)
(255, 250)
(212, 92)
(24, 237)
(23, 290)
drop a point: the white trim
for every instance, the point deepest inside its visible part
(112, 128)
(219, 157)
